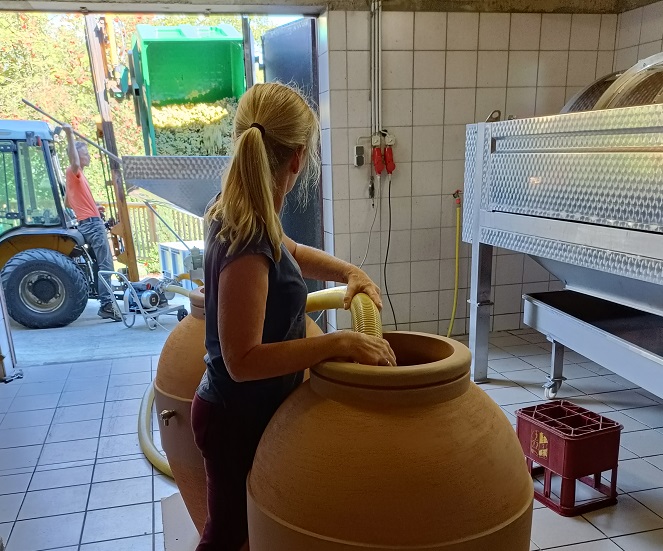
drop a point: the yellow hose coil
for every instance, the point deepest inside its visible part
(365, 319)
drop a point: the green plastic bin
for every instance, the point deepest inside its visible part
(185, 64)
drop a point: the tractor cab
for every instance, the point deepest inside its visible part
(47, 271)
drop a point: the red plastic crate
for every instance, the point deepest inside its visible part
(562, 438)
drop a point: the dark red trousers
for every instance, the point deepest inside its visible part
(227, 437)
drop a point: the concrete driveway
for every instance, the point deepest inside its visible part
(91, 338)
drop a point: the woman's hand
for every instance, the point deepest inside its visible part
(359, 282)
(364, 349)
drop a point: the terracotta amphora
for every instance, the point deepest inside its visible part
(408, 457)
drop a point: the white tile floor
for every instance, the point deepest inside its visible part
(72, 477)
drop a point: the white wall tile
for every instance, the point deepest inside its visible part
(401, 304)
(649, 49)
(453, 174)
(555, 31)
(582, 68)
(461, 69)
(398, 277)
(462, 31)
(509, 269)
(525, 31)
(585, 29)
(521, 102)
(341, 216)
(454, 142)
(360, 247)
(459, 105)
(494, 31)
(626, 58)
(323, 72)
(493, 69)
(342, 246)
(397, 108)
(426, 178)
(403, 147)
(425, 276)
(425, 244)
(399, 246)
(359, 178)
(339, 108)
(360, 213)
(489, 99)
(397, 67)
(505, 322)
(427, 143)
(340, 186)
(426, 211)
(629, 27)
(401, 185)
(608, 36)
(359, 108)
(533, 272)
(358, 27)
(550, 100)
(604, 63)
(336, 30)
(401, 212)
(430, 30)
(359, 71)
(429, 327)
(397, 30)
(523, 67)
(508, 299)
(424, 306)
(340, 150)
(652, 23)
(338, 71)
(429, 69)
(553, 68)
(428, 107)
(572, 92)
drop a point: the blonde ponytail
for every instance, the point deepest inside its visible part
(273, 122)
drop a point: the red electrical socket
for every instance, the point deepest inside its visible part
(389, 159)
(378, 161)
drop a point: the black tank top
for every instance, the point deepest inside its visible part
(285, 319)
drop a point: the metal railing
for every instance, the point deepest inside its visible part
(148, 230)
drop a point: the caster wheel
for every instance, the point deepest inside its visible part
(551, 393)
(181, 314)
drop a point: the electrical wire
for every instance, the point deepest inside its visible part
(370, 231)
(386, 257)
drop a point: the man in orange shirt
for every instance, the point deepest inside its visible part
(78, 197)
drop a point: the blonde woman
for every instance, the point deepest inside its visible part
(255, 298)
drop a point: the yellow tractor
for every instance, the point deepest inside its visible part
(48, 271)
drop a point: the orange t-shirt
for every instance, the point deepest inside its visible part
(79, 195)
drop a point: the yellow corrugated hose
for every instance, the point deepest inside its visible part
(457, 274)
(365, 319)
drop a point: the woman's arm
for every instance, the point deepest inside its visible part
(241, 316)
(317, 264)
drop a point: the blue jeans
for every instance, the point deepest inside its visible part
(94, 231)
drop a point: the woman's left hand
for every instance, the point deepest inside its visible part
(359, 282)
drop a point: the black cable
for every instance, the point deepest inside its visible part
(386, 258)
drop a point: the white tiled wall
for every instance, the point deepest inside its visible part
(640, 35)
(440, 72)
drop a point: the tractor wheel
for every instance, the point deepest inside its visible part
(44, 289)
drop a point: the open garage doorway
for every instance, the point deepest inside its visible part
(274, 48)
